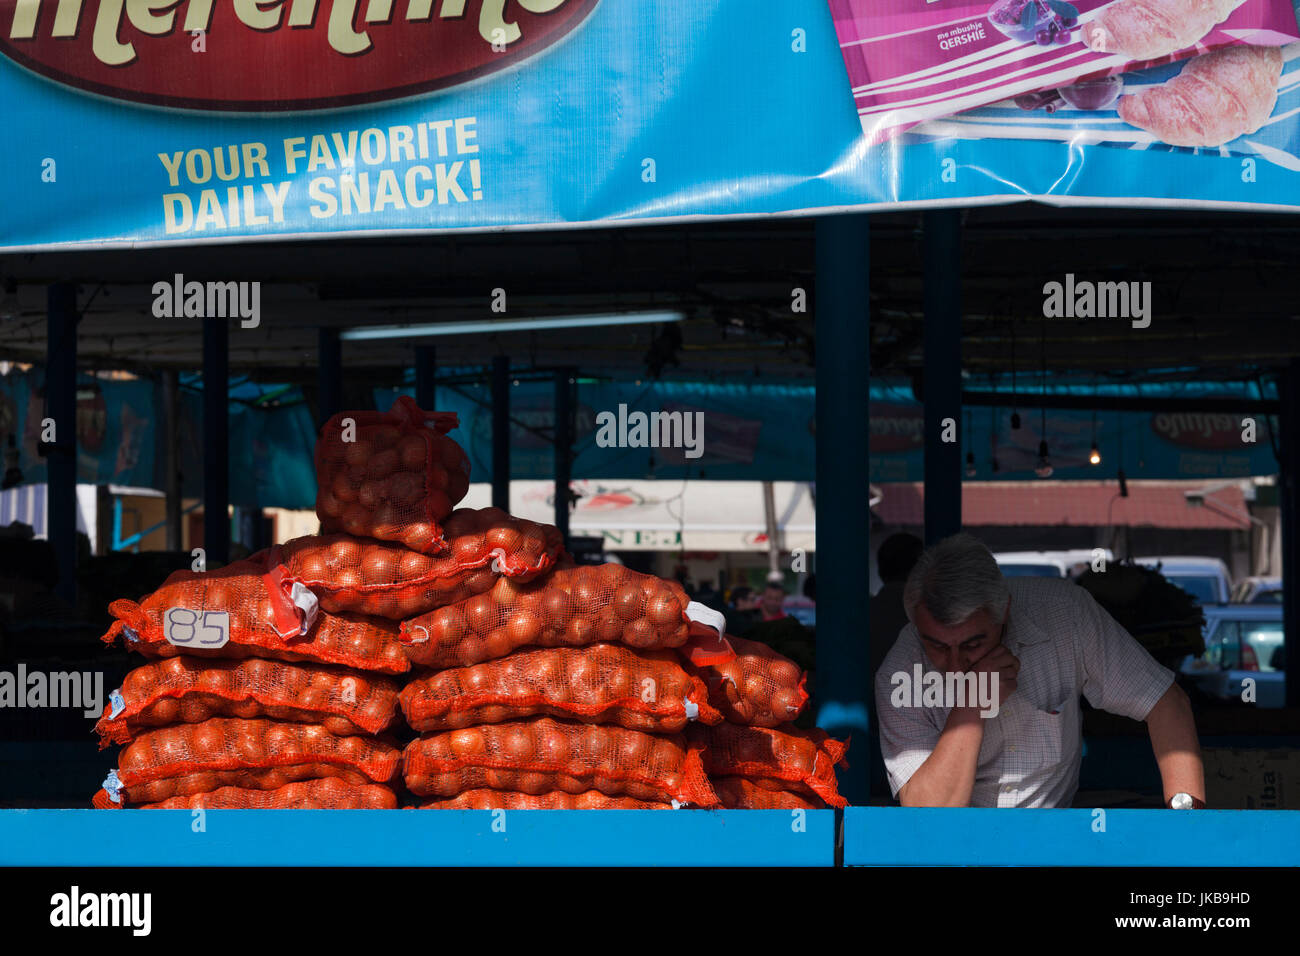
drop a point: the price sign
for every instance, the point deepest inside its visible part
(196, 629)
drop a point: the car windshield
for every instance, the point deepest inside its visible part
(1202, 587)
(1030, 570)
(1267, 597)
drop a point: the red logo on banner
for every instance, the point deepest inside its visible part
(1205, 430)
(275, 55)
(896, 427)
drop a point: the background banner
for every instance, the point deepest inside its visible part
(765, 430)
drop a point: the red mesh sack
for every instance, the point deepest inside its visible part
(543, 755)
(775, 759)
(398, 478)
(371, 577)
(555, 800)
(603, 684)
(326, 793)
(188, 690)
(737, 793)
(758, 687)
(571, 607)
(245, 597)
(363, 643)
(114, 795)
(256, 754)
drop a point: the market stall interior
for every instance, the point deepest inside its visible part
(943, 323)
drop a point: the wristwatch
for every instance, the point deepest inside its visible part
(1185, 801)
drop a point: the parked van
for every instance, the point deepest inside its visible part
(1049, 564)
(1206, 579)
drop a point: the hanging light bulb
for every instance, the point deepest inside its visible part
(970, 464)
(1094, 454)
(1044, 469)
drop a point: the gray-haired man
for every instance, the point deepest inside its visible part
(1048, 642)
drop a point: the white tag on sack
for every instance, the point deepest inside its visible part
(692, 710)
(307, 602)
(703, 614)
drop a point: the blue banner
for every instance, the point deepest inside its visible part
(128, 130)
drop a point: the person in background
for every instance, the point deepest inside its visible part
(709, 596)
(772, 604)
(780, 631)
(886, 617)
(742, 612)
(895, 559)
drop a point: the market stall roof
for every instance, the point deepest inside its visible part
(1154, 504)
(736, 283)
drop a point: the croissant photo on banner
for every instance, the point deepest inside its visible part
(909, 64)
(1237, 101)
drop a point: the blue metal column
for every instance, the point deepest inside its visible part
(426, 382)
(61, 405)
(216, 441)
(564, 385)
(843, 678)
(501, 432)
(329, 375)
(942, 302)
(1289, 480)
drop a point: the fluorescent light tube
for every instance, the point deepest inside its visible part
(427, 329)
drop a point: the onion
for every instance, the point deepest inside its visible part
(639, 633)
(413, 451)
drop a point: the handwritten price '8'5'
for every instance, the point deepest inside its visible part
(184, 628)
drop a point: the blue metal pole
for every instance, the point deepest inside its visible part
(216, 441)
(501, 432)
(1289, 482)
(61, 406)
(942, 304)
(329, 375)
(843, 678)
(426, 381)
(564, 386)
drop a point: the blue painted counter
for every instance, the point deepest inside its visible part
(895, 836)
(417, 838)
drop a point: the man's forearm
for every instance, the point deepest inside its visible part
(1177, 748)
(947, 778)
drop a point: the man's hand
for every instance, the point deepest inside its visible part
(947, 778)
(999, 660)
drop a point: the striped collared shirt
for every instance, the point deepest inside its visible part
(1068, 646)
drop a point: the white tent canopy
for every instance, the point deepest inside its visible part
(669, 514)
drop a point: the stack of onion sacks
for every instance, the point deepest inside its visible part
(558, 692)
(756, 758)
(250, 687)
